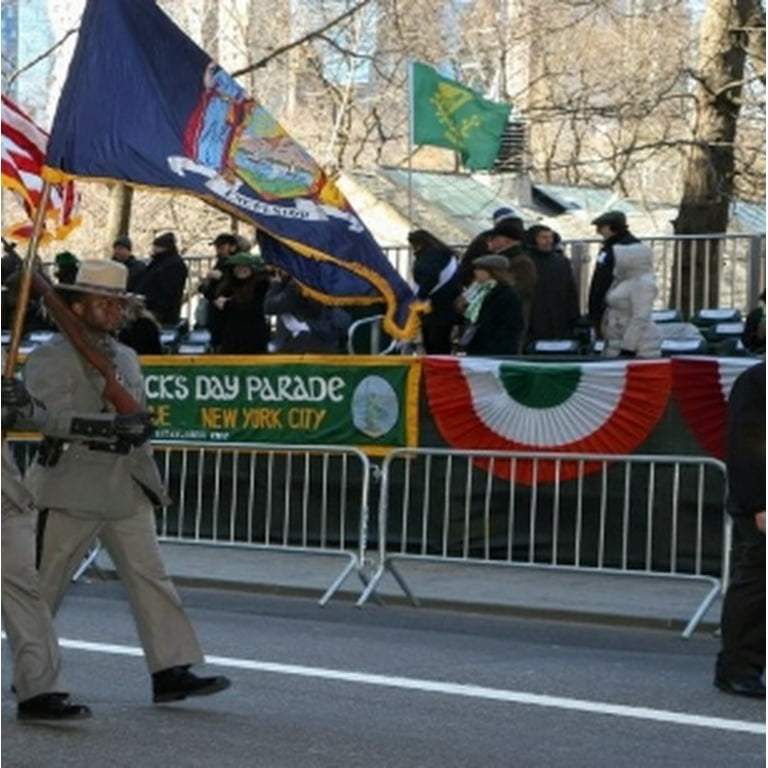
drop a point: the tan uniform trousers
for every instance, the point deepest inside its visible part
(27, 620)
(165, 632)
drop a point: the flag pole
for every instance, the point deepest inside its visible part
(410, 145)
(25, 285)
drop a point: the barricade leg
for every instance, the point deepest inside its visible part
(701, 611)
(370, 590)
(340, 579)
(88, 561)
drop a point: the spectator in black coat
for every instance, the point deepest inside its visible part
(477, 247)
(493, 308)
(753, 337)
(225, 245)
(612, 227)
(555, 303)
(162, 282)
(303, 324)
(141, 331)
(741, 662)
(122, 252)
(435, 272)
(242, 325)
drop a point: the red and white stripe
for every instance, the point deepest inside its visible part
(23, 156)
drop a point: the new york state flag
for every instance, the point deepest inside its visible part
(143, 104)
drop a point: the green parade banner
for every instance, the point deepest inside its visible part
(371, 403)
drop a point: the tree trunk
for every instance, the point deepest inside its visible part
(708, 183)
(119, 214)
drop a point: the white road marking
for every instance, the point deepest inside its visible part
(451, 689)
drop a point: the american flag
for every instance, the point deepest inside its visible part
(23, 157)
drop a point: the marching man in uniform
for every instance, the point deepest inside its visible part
(37, 679)
(96, 475)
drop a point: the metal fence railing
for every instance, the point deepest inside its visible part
(741, 269)
(292, 499)
(654, 516)
(638, 515)
(311, 499)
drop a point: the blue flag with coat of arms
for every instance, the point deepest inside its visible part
(143, 104)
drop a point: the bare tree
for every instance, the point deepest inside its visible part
(709, 180)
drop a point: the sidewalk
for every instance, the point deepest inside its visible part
(602, 598)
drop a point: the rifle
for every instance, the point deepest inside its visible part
(71, 325)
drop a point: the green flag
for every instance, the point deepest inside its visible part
(448, 114)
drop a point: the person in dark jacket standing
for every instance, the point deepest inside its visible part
(162, 282)
(506, 239)
(436, 274)
(612, 227)
(122, 252)
(242, 328)
(493, 308)
(555, 304)
(741, 662)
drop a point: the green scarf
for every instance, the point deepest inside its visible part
(475, 297)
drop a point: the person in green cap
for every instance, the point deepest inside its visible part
(241, 325)
(65, 267)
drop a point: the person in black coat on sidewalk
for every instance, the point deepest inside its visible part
(741, 662)
(494, 310)
(436, 274)
(241, 324)
(162, 281)
(612, 227)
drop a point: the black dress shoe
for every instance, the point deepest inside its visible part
(51, 706)
(178, 683)
(752, 687)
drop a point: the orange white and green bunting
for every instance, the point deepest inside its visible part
(702, 386)
(601, 408)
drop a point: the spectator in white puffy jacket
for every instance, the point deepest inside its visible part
(627, 325)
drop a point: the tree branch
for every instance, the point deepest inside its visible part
(42, 56)
(295, 43)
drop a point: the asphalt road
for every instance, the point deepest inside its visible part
(388, 687)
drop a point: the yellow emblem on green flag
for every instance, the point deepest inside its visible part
(448, 114)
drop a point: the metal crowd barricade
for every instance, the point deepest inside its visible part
(288, 498)
(293, 499)
(653, 516)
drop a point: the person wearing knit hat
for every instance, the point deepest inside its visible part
(65, 269)
(164, 242)
(163, 280)
(504, 213)
(122, 252)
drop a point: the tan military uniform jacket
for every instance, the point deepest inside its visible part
(87, 482)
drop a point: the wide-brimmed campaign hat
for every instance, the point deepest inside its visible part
(104, 278)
